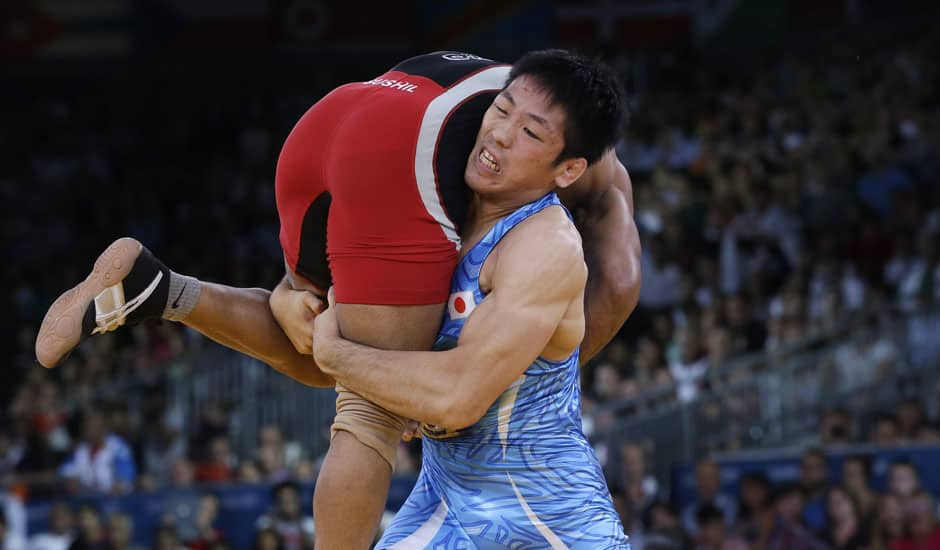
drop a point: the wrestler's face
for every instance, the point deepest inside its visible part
(518, 145)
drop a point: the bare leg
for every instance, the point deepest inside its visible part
(352, 487)
(350, 494)
(241, 319)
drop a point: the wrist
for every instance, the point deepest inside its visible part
(325, 355)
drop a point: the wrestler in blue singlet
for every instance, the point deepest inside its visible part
(524, 476)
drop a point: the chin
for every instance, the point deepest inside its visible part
(475, 181)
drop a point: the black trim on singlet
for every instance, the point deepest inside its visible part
(457, 137)
(311, 258)
(444, 68)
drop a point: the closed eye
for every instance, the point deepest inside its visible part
(501, 110)
(531, 134)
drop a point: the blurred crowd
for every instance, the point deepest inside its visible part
(822, 509)
(189, 520)
(774, 205)
(778, 205)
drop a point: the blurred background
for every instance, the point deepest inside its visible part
(778, 386)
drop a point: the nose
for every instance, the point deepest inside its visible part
(501, 134)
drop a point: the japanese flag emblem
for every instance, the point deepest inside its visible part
(460, 304)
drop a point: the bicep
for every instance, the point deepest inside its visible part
(532, 290)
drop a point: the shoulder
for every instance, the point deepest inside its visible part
(550, 232)
(546, 246)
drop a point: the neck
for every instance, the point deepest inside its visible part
(485, 211)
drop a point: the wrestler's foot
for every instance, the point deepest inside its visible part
(127, 285)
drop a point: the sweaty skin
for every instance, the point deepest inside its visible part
(534, 279)
(612, 251)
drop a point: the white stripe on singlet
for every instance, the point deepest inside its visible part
(550, 537)
(491, 78)
(420, 538)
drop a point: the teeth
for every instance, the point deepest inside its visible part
(488, 160)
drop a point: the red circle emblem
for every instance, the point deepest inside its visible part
(459, 305)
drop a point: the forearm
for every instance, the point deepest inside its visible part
(612, 294)
(612, 252)
(419, 385)
(241, 319)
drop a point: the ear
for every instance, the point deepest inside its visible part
(569, 170)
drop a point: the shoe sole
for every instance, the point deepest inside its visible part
(61, 328)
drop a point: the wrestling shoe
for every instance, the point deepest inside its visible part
(127, 285)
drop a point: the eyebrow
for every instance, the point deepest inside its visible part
(535, 117)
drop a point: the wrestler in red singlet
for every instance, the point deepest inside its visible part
(372, 175)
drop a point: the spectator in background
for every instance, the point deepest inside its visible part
(846, 530)
(182, 474)
(759, 527)
(920, 521)
(911, 420)
(60, 535)
(708, 491)
(39, 466)
(661, 529)
(713, 533)
(290, 451)
(607, 382)
(856, 478)
(166, 539)
(91, 533)
(220, 463)
(688, 363)
(754, 498)
(204, 534)
(814, 482)
(835, 427)
(14, 514)
(641, 487)
(121, 532)
(663, 273)
(267, 539)
(295, 530)
(636, 488)
(102, 462)
(276, 456)
(788, 532)
(903, 479)
(305, 471)
(749, 334)
(889, 524)
(249, 472)
(8, 541)
(885, 430)
(11, 452)
(164, 446)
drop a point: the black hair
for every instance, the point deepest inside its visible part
(709, 513)
(286, 484)
(786, 489)
(760, 479)
(590, 94)
(816, 452)
(864, 461)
